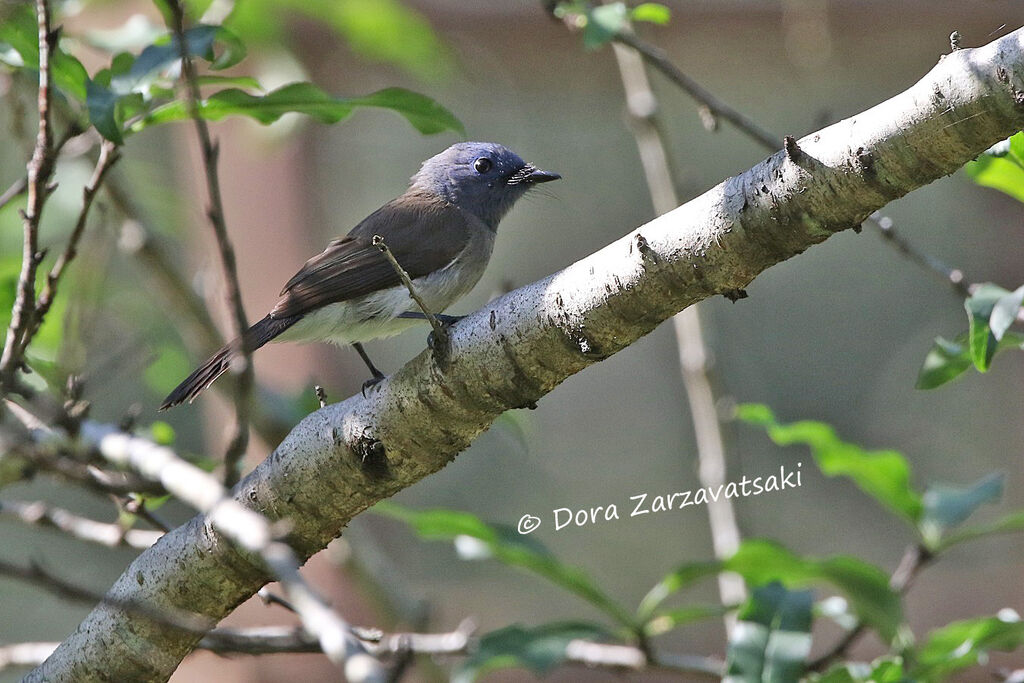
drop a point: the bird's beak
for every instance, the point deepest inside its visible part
(530, 174)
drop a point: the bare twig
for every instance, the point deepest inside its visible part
(657, 58)
(108, 157)
(215, 212)
(82, 528)
(19, 186)
(40, 168)
(439, 330)
(693, 354)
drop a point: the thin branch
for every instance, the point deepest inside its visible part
(439, 330)
(693, 353)
(110, 535)
(657, 58)
(19, 186)
(215, 213)
(108, 157)
(40, 168)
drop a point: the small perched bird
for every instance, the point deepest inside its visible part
(441, 231)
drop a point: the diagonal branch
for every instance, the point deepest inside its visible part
(215, 212)
(108, 157)
(693, 352)
(40, 168)
(347, 456)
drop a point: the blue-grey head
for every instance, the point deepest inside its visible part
(483, 178)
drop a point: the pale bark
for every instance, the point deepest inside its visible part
(343, 458)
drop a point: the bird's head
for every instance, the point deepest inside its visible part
(482, 178)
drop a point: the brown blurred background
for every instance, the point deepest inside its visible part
(836, 334)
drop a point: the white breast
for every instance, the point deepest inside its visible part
(374, 315)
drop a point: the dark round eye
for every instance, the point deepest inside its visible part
(483, 165)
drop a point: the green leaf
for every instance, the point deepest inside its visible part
(773, 637)
(883, 670)
(539, 649)
(1008, 524)
(19, 34)
(883, 475)
(651, 12)
(603, 23)
(476, 539)
(1001, 168)
(201, 41)
(864, 585)
(378, 30)
(679, 578)
(981, 337)
(946, 361)
(161, 433)
(247, 82)
(426, 115)
(102, 105)
(946, 507)
(386, 31)
(962, 644)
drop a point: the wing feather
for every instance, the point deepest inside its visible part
(423, 232)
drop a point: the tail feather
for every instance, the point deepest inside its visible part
(205, 375)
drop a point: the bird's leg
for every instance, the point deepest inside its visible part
(378, 376)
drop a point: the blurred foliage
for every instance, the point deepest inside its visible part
(601, 23)
(385, 31)
(773, 635)
(138, 90)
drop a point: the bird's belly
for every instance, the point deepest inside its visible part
(374, 316)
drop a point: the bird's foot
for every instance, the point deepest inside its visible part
(440, 344)
(373, 381)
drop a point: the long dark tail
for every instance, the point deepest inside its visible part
(205, 375)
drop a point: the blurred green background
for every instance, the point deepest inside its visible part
(836, 334)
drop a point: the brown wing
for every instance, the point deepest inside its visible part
(424, 234)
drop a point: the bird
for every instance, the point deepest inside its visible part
(441, 231)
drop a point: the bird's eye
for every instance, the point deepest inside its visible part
(483, 165)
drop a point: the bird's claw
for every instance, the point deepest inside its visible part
(372, 382)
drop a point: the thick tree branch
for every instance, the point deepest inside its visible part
(347, 456)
